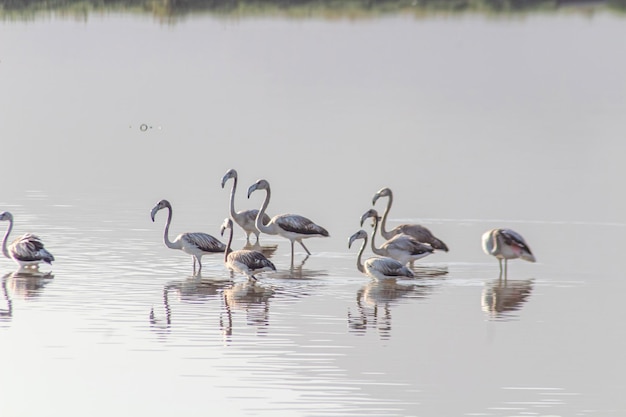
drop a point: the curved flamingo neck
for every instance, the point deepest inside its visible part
(232, 198)
(376, 250)
(383, 222)
(166, 233)
(359, 264)
(258, 222)
(5, 251)
(230, 241)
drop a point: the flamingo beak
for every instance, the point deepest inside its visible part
(251, 189)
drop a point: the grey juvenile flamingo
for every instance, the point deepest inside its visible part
(194, 244)
(378, 268)
(506, 244)
(403, 248)
(27, 250)
(244, 218)
(247, 262)
(418, 231)
(290, 226)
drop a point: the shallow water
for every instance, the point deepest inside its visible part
(473, 122)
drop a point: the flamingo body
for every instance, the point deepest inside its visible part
(403, 248)
(505, 244)
(382, 268)
(195, 244)
(27, 250)
(247, 262)
(293, 227)
(419, 232)
(244, 218)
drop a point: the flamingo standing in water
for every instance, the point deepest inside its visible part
(290, 226)
(194, 244)
(403, 248)
(378, 268)
(27, 250)
(418, 231)
(248, 262)
(244, 218)
(506, 244)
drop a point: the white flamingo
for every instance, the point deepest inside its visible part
(506, 244)
(194, 244)
(27, 250)
(244, 218)
(378, 268)
(290, 226)
(418, 231)
(403, 248)
(247, 262)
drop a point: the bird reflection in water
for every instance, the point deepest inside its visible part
(189, 290)
(429, 271)
(501, 298)
(298, 271)
(6, 313)
(27, 285)
(24, 284)
(374, 302)
(267, 250)
(251, 297)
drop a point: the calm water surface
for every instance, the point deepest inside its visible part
(473, 122)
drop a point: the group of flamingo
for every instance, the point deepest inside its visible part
(244, 261)
(404, 244)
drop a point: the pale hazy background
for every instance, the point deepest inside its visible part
(474, 122)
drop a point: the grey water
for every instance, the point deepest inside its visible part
(474, 121)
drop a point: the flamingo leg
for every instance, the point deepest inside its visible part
(199, 265)
(307, 251)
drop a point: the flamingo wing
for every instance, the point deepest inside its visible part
(205, 242)
(512, 238)
(29, 248)
(299, 224)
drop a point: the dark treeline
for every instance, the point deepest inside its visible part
(304, 8)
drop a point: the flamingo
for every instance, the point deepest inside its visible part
(194, 244)
(506, 244)
(378, 268)
(403, 248)
(418, 231)
(244, 218)
(248, 262)
(290, 226)
(27, 250)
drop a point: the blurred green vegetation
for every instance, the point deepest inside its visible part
(326, 9)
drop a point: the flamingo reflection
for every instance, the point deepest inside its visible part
(374, 302)
(6, 313)
(190, 290)
(23, 283)
(299, 271)
(251, 297)
(27, 285)
(501, 297)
